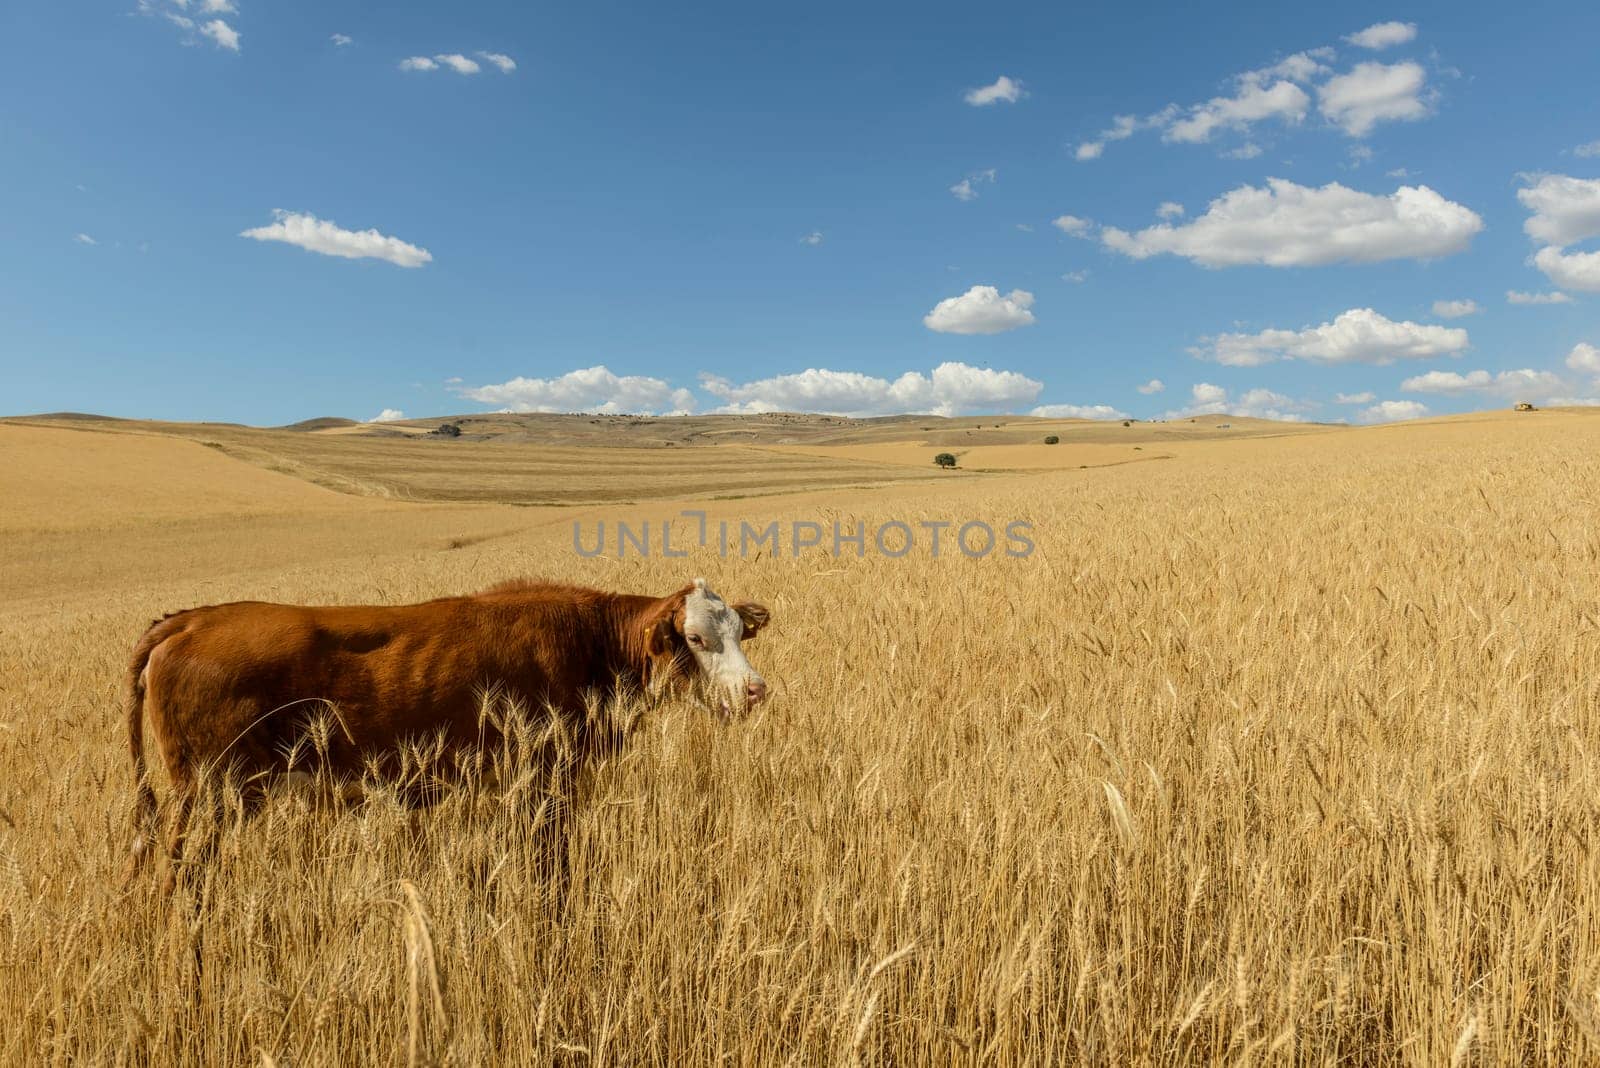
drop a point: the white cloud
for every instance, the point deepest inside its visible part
(85, 239)
(1073, 226)
(458, 63)
(1122, 127)
(388, 415)
(967, 188)
(1391, 411)
(1585, 359)
(1514, 296)
(216, 30)
(418, 63)
(1398, 172)
(1078, 411)
(1248, 150)
(1455, 309)
(1359, 335)
(981, 310)
(225, 36)
(1565, 209)
(1360, 154)
(1522, 382)
(341, 39)
(1300, 67)
(1155, 385)
(952, 389)
(324, 236)
(1004, 89)
(499, 59)
(1209, 399)
(1170, 209)
(1289, 225)
(1587, 151)
(592, 389)
(1570, 270)
(1253, 102)
(1076, 277)
(1384, 35)
(1366, 397)
(1372, 93)
(814, 238)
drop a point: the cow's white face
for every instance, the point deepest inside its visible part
(712, 631)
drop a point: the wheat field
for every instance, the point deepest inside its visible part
(1273, 751)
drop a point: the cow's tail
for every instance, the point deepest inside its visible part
(144, 803)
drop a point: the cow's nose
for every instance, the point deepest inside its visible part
(756, 690)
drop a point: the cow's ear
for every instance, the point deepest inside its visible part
(755, 616)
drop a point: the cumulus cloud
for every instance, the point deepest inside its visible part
(814, 238)
(1078, 411)
(1253, 102)
(1585, 359)
(1522, 382)
(592, 389)
(1359, 335)
(1365, 397)
(418, 63)
(1122, 127)
(1206, 398)
(967, 188)
(328, 238)
(1570, 270)
(1384, 35)
(1289, 225)
(1004, 90)
(1565, 209)
(340, 39)
(1076, 277)
(1514, 296)
(1587, 151)
(84, 239)
(1073, 226)
(981, 310)
(1169, 209)
(952, 389)
(1155, 385)
(1391, 411)
(499, 59)
(388, 415)
(1455, 309)
(224, 35)
(458, 63)
(1371, 93)
(1248, 150)
(216, 30)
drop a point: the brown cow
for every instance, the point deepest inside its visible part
(231, 685)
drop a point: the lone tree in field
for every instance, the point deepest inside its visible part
(945, 459)
(1051, 439)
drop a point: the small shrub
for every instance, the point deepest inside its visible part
(945, 459)
(1051, 439)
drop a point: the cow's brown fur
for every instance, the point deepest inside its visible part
(233, 684)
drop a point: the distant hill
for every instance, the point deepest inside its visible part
(326, 422)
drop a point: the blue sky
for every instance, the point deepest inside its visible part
(816, 207)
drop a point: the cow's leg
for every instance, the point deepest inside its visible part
(180, 808)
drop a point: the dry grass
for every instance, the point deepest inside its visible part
(1272, 752)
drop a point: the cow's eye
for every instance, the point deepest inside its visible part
(696, 641)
